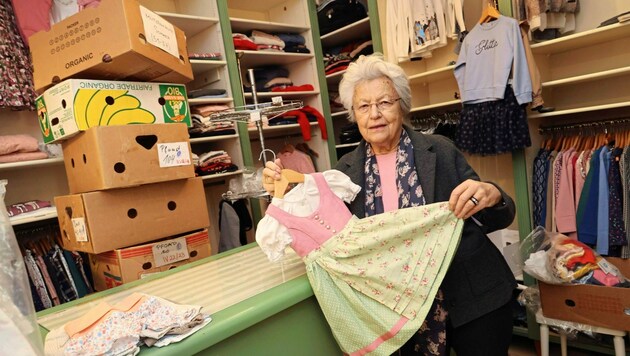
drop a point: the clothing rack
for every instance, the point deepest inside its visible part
(428, 122)
(606, 124)
(254, 113)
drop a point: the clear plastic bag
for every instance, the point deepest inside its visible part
(19, 331)
(559, 259)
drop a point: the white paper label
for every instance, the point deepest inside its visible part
(254, 116)
(607, 267)
(173, 154)
(276, 100)
(170, 251)
(159, 32)
(80, 230)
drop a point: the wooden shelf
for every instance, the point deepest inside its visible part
(587, 77)
(246, 25)
(339, 113)
(433, 75)
(203, 65)
(354, 31)
(221, 175)
(279, 127)
(34, 163)
(201, 101)
(284, 94)
(354, 144)
(438, 106)
(580, 110)
(582, 39)
(44, 216)
(252, 59)
(212, 138)
(335, 78)
(190, 24)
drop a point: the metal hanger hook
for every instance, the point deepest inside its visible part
(262, 156)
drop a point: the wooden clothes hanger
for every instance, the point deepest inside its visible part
(287, 176)
(489, 13)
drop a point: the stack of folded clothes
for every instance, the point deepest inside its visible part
(16, 148)
(267, 41)
(203, 126)
(214, 162)
(121, 329)
(207, 93)
(242, 42)
(293, 42)
(338, 58)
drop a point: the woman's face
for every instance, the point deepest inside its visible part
(379, 127)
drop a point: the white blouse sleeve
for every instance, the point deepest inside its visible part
(272, 237)
(341, 185)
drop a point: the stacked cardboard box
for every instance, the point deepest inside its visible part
(130, 174)
(131, 185)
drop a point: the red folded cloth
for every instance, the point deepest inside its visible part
(305, 87)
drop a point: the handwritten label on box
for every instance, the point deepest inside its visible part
(159, 32)
(170, 251)
(173, 154)
(80, 230)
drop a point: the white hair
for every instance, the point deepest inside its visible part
(372, 67)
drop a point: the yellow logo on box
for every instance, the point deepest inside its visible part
(107, 107)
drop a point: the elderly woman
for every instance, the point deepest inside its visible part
(399, 168)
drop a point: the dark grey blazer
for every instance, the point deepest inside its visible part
(479, 279)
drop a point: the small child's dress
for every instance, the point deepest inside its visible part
(374, 278)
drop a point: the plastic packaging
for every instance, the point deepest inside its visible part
(19, 331)
(559, 259)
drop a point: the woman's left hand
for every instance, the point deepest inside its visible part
(471, 196)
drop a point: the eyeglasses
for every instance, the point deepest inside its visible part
(382, 105)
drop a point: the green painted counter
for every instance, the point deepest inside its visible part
(284, 319)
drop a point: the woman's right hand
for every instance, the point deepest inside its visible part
(271, 174)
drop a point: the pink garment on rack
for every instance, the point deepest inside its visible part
(297, 161)
(581, 169)
(565, 201)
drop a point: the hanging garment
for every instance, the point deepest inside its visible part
(37, 279)
(493, 127)
(229, 229)
(493, 119)
(374, 278)
(397, 23)
(427, 28)
(602, 203)
(16, 74)
(297, 161)
(617, 232)
(534, 73)
(624, 167)
(234, 222)
(539, 187)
